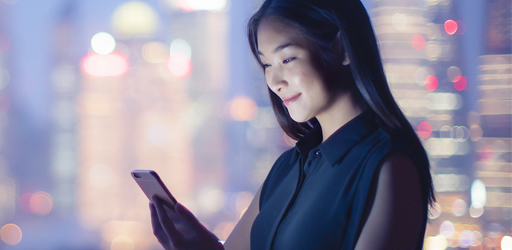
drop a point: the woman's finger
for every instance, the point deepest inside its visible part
(166, 223)
(158, 230)
(188, 216)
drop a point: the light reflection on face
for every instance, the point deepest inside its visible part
(288, 61)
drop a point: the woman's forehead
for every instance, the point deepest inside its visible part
(274, 31)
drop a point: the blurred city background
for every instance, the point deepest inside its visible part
(92, 89)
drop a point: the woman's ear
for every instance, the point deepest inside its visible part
(346, 60)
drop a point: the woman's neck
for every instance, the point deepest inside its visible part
(340, 112)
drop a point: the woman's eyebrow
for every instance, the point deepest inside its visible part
(279, 48)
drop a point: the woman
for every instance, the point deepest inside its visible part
(358, 177)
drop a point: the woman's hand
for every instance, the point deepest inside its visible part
(179, 229)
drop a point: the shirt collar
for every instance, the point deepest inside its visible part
(341, 141)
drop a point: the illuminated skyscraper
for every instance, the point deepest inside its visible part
(491, 129)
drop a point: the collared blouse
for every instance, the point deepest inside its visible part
(315, 193)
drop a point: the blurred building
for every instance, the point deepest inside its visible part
(491, 127)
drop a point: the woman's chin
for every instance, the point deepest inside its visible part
(300, 119)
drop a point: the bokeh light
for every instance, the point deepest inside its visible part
(459, 207)
(122, 243)
(103, 43)
(399, 21)
(5, 103)
(10, 234)
(460, 83)
(478, 194)
(418, 42)
(476, 132)
(476, 212)
(243, 108)
(466, 238)
(424, 129)
(212, 199)
(450, 27)
(223, 229)
(447, 229)
(506, 243)
(431, 83)
(461, 27)
(453, 72)
(155, 52)
(111, 65)
(438, 242)
(181, 46)
(435, 211)
(179, 65)
(5, 43)
(211, 5)
(135, 19)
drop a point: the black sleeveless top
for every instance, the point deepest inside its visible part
(315, 194)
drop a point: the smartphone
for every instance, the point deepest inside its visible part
(151, 184)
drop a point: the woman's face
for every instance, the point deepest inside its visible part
(287, 58)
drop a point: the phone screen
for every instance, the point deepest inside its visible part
(151, 184)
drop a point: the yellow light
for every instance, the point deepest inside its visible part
(103, 43)
(122, 243)
(436, 243)
(10, 234)
(135, 19)
(155, 52)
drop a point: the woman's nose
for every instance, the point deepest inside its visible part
(276, 80)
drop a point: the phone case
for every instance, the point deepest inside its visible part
(151, 184)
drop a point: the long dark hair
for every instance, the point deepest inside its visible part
(336, 27)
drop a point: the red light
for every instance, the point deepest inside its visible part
(418, 42)
(425, 129)
(450, 27)
(460, 83)
(5, 43)
(431, 83)
(110, 65)
(179, 65)
(184, 5)
(461, 27)
(5, 103)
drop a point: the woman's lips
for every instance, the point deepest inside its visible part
(287, 101)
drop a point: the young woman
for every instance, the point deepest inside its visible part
(358, 177)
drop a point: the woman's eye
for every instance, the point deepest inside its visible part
(288, 60)
(265, 65)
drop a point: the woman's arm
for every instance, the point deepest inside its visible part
(396, 214)
(240, 237)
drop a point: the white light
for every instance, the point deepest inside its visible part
(447, 229)
(444, 101)
(181, 46)
(506, 243)
(399, 21)
(103, 43)
(212, 5)
(478, 194)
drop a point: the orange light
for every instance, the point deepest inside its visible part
(110, 65)
(179, 65)
(450, 27)
(243, 109)
(425, 129)
(460, 83)
(5, 103)
(418, 42)
(431, 83)
(10, 234)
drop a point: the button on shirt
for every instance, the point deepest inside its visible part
(315, 193)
